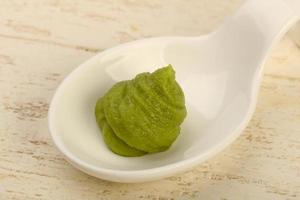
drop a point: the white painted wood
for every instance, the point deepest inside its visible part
(41, 41)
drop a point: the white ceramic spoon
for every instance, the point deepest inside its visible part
(220, 74)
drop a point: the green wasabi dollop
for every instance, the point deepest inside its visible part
(142, 115)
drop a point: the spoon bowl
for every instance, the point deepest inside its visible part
(219, 73)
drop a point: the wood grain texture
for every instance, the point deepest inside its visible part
(41, 41)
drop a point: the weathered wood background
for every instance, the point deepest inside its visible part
(41, 41)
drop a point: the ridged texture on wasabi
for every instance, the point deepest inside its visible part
(142, 115)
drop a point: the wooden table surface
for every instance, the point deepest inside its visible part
(41, 41)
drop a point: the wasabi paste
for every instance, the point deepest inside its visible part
(142, 115)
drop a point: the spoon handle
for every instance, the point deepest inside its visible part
(263, 21)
